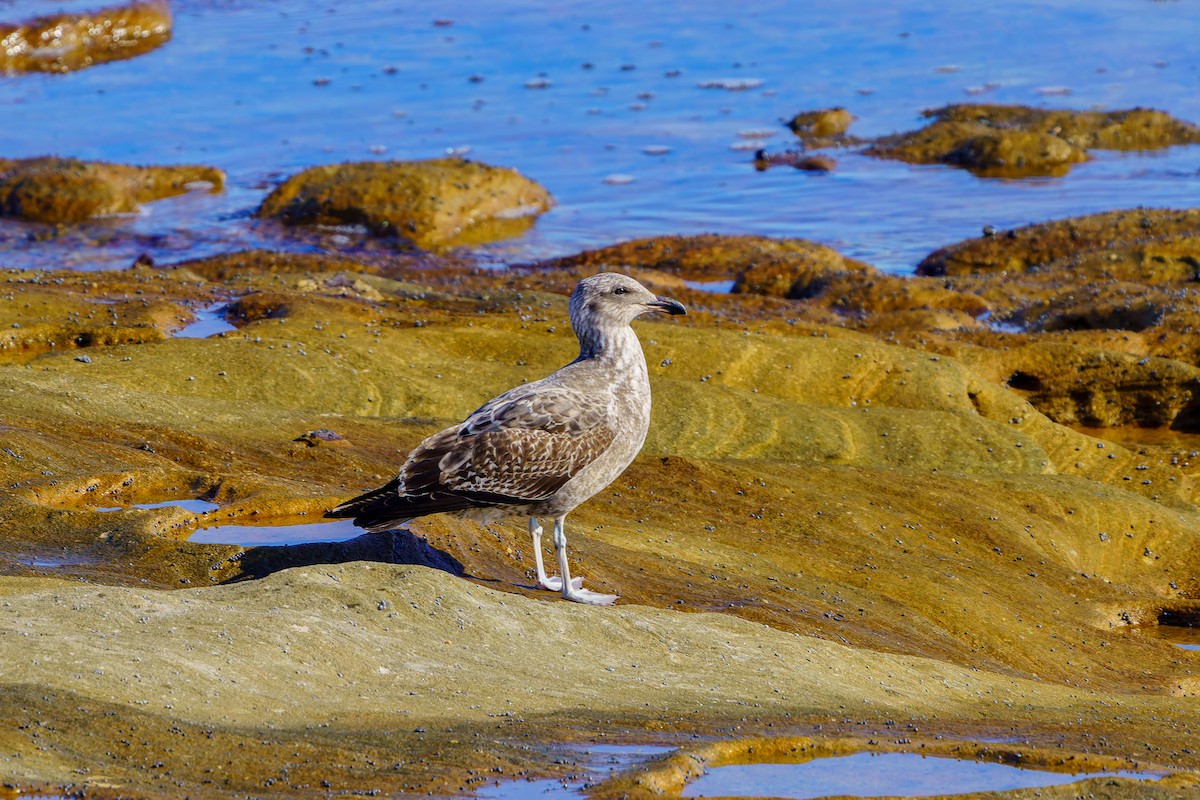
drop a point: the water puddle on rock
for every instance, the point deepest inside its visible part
(277, 535)
(876, 775)
(49, 561)
(716, 287)
(598, 762)
(1183, 634)
(209, 322)
(195, 506)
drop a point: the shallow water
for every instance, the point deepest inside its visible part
(208, 322)
(189, 504)
(599, 762)
(874, 774)
(575, 93)
(277, 535)
(1183, 636)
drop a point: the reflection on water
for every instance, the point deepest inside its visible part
(265, 89)
(257, 535)
(875, 774)
(1184, 636)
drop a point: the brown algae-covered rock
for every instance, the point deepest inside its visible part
(1129, 129)
(1017, 141)
(69, 41)
(796, 160)
(66, 190)
(868, 538)
(778, 264)
(431, 203)
(823, 127)
(1155, 243)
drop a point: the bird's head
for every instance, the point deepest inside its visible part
(610, 298)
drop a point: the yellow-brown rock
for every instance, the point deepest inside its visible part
(433, 204)
(758, 264)
(69, 41)
(823, 127)
(66, 190)
(1150, 245)
(826, 535)
(1018, 141)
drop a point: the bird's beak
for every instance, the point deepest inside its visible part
(667, 306)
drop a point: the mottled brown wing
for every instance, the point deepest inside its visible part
(509, 465)
(543, 406)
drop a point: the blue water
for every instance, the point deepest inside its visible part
(873, 775)
(264, 89)
(196, 506)
(597, 762)
(276, 535)
(208, 322)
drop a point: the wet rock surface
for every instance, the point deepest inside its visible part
(822, 127)
(1019, 141)
(1145, 245)
(68, 41)
(849, 519)
(66, 190)
(430, 203)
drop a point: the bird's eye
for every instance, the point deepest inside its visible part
(620, 290)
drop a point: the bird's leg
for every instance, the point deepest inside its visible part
(544, 582)
(573, 589)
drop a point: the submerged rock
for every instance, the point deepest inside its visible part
(1018, 141)
(69, 41)
(66, 190)
(792, 158)
(432, 203)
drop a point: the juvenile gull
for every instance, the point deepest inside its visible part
(543, 448)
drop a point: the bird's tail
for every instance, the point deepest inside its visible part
(386, 508)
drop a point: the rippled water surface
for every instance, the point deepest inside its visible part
(574, 93)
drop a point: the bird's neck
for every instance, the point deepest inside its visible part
(618, 344)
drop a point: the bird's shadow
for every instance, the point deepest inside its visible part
(393, 547)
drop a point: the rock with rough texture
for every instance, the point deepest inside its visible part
(1143, 244)
(66, 190)
(1017, 141)
(824, 127)
(757, 264)
(863, 537)
(433, 203)
(68, 41)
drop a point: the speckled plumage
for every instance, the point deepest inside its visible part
(543, 448)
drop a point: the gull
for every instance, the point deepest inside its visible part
(541, 449)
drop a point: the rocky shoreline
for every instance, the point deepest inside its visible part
(930, 513)
(856, 489)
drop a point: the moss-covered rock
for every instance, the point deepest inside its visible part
(757, 264)
(1018, 141)
(66, 190)
(822, 123)
(70, 41)
(432, 203)
(1142, 244)
(842, 520)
